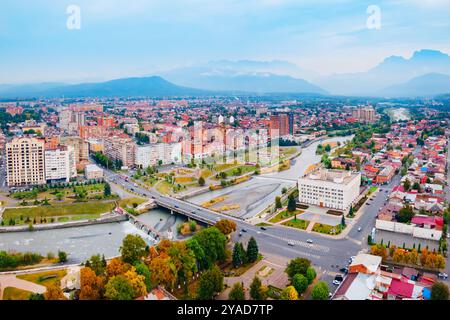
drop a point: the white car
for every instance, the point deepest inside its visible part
(336, 282)
(309, 241)
(443, 275)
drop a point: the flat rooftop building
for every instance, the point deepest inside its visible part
(335, 189)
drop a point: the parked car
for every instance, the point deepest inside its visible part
(443, 275)
(240, 234)
(359, 229)
(336, 282)
(344, 270)
(244, 230)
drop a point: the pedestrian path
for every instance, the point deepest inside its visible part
(11, 281)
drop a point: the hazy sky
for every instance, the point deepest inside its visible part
(138, 37)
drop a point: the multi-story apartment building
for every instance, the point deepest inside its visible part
(60, 164)
(365, 114)
(150, 155)
(81, 149)
(25, 161)
(122, 149)
(334, 189)
(283, 122)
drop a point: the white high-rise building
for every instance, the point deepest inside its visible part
(25, 161)
(335, 189)
(151, 154)
(60, 164)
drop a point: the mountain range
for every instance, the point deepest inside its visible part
(425, 74)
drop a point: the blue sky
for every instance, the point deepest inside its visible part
(139, 37)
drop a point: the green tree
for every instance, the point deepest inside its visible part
(256, 290)
(200, 256)
(310, 274)
(107, 190)
(405, 214)
(96, 265)
(278, 204)
(213, 243)
(210, 283)
(439, 291)
(119, 288)
(36, 296)
(300, 283)
(252, 250)
(406, 185)
(289, 293)
(62, 256)
(343, 221)
(291, 203)
(237, 292)
(297, 266)
(320, 291)
(201, 181)
(143, 270)
(350, 211)
(133, 248)
(238, 259)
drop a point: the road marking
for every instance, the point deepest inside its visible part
(304, 244)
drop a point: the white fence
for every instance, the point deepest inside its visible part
(431, 234)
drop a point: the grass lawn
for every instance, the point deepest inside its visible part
(206, 173)
(372, 189)
(11, 293)
(274, 292)
(230, 271)
(224, 166)
(263, 224)
(79, 208)
(284, 215)
(130, 201)
(46, 278)
(327, 229)
(164, 187)
(244, 169)
(297, 223)
(184, 180)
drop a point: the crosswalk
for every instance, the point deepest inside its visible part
(312, 246)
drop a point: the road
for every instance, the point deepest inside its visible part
(327, 253)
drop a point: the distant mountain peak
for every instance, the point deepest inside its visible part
(428, 53)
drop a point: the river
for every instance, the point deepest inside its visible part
(82, 242)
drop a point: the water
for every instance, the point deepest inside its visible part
(83, 242)
(255, 195)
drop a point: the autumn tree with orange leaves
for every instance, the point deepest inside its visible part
(91, 285)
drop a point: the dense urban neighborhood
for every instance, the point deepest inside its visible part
(224, 198)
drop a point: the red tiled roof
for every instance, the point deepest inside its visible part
(401, 289)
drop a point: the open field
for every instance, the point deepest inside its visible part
(74, 209)
(11, 293)
(46, 278)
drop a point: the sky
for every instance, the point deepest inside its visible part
(119, 38)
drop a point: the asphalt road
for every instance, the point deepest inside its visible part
(327, 253)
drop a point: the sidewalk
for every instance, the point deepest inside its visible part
(11, 281)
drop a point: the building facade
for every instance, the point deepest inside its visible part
(60, 164)
(122, 149)
(165, 153)
(25, 163)
(335, 189)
